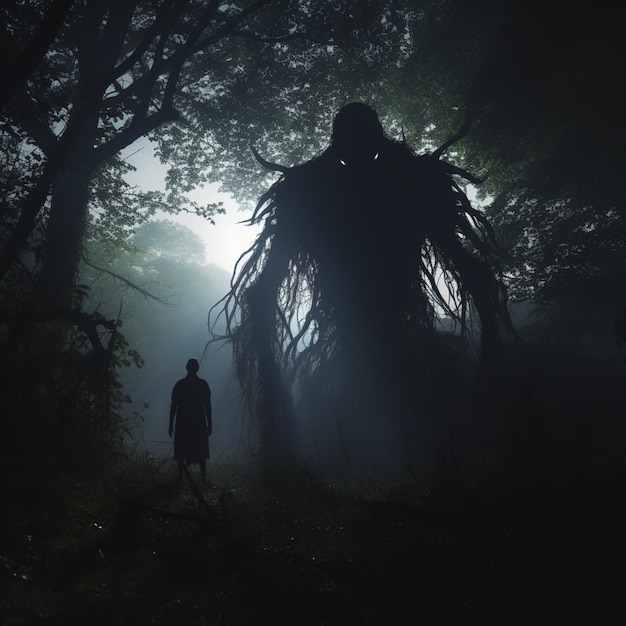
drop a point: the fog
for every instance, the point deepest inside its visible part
(571, 389)
(225, 240)
(181, 333)
(179, 328)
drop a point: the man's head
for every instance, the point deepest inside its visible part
(357, 134)
(192, 366)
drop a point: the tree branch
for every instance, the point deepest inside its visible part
(167, 112)
(244, 34)
(166, 16)
(143, 292)
(17, 73)
(230, 24)
(87, 322)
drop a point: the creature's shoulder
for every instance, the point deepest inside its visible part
(304, 181)
(402, 163)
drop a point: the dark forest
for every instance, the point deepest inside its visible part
(415, 409)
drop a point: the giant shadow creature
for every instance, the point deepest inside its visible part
(371, 266)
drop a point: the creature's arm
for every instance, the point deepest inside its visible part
(257, 346)
(261, 306)
(477, 280)
(471, 269)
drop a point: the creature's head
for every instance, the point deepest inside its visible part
(357, 135)
(192, 366)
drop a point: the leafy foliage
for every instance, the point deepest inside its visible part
(101, 75)
(539, 85)
(542, 86)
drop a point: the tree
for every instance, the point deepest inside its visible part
(205, 79)
(122, 70)
(538, 84)
(191, 74)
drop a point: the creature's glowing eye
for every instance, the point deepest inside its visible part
(344, 163)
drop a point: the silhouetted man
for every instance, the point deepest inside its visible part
(191, 408)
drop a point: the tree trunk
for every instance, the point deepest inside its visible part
(66, 225)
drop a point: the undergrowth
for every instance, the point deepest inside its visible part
(131, 546)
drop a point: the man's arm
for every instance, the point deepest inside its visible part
(173, 407)
(207, 409)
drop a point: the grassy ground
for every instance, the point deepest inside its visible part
(139, 549)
